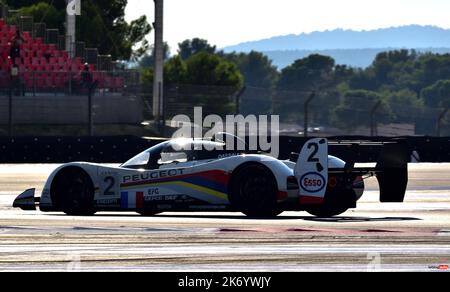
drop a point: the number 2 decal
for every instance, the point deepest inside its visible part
(110, 181)
(312, 157)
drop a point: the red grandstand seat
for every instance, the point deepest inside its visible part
(75, 68)
(57, 80)
(39, 81)
(67, 67)
(119, 82)
(26, 36)
(108, 82)
(27, 60)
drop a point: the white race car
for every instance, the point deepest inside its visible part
(202, 175)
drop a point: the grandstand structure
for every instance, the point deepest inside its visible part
(44, 64)
(45, 86)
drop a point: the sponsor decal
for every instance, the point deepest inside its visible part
(439, 267)
(108, 202)
(151, 175)
(213, 183)
(131, 200)
(312, 182)
(153, 192)
(172, 198)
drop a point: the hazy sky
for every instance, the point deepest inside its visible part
(229, 22)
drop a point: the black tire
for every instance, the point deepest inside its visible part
(337, 201)
(148, 213)
(326, 211)
(73, 192)
(253, 191)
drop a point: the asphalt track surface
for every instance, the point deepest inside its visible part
(413, 236)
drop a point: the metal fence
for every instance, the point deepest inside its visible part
(41, 102)
(130, 102)
(325, 113)
(33, 83)
(329, 113)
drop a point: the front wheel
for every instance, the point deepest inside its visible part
(253, 191)
(73, 192)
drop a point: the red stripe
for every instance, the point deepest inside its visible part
(139, 200)
(218, 176)
(305, 200)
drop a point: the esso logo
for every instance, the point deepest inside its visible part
(312, 182)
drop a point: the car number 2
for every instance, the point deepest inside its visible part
(109, 186)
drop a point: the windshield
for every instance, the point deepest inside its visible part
(179, 151)
(147, 159)
(139, 160)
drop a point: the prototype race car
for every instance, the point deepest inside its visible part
(202, 175)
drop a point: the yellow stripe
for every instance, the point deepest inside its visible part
(201, 189)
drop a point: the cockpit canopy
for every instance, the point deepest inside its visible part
(179, 151)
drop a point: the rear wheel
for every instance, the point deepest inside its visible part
(253, 191)
(337, 201)
(73, 192)
(326, 211)
(148, 213)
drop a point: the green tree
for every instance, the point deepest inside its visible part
(101, 25)
(148, 59)
(438, 94)
(314, 72)
(189, 48)
(175, 71)
(259, 77)
(256, 68)
(208, 69)
(355, 107)
(204, 80)
(43, 11)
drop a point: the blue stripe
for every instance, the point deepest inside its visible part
(124, 200)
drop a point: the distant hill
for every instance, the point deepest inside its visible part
(354, 48)
(360, 58)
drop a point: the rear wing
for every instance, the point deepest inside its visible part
(391, 171)
(391, 168)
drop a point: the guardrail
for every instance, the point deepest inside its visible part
(121, 148)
